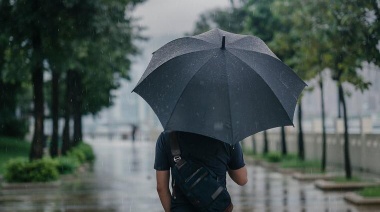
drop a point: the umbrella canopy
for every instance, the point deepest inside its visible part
(219, 84)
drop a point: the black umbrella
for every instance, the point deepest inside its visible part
(219, 84)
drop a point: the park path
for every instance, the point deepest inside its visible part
(123, 180)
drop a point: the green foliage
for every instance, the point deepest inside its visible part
(260, 20)
(290, 157)
(11, 148)
(295, 163)
(17, 169)
(345, 180)
(77, 154)
(231, 19)
(21, 170)
(67, 165)
(370, 192)
(14, 127)
(273, 157)
(87, 150)
(82, 152)
(92, 37)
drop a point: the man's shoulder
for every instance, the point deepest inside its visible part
(163, 138)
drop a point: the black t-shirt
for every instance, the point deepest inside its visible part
(216, 155)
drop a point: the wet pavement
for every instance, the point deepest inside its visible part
(123, 179)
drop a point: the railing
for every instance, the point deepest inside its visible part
(364, 148)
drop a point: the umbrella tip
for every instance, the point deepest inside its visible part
(223, 42)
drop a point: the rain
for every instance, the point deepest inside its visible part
(87, 88)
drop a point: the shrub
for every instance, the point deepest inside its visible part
(274, 157)
(291, 157)
(67, 165)
(77, 154)
(21, 170)
(12, 148)
(87, 151)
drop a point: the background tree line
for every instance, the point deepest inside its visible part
(64, 57)
(310, 37)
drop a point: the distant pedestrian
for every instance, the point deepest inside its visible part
(134, 129)
(217, 156)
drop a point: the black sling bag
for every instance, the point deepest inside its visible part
(197, 182)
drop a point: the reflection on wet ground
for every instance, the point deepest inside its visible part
(124, 180)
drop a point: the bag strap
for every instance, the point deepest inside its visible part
(174, 146)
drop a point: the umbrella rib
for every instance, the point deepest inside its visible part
(239, 40)
(270, 56)
(202, 40)
(184, 91)
(265, 84)
(240, 49)
(186, 37)
(142, 79)
(197, 51)
(229, 99)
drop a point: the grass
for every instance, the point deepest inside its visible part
(370, 192)
(310, 167)
(11, 148)
(289, 161)
(345, 180)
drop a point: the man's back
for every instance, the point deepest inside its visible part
(215, 155)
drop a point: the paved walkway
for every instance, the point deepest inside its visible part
(124, 180)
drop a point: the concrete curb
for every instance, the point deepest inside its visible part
(37, 185)
(357, 199)
(334, 186)
(313, 177)
(269, 166)
(287, 171)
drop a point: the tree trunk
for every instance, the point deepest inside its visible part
(36, 150)
(301, 147)
(284, 148)
(55, 113)
(266, 146)
(66, 141)
(347, 160)
(324, 146)
(254, 151)
(339, 103)
(77, 108)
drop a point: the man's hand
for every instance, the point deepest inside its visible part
(162, 178)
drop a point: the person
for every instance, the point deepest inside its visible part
(216, 155)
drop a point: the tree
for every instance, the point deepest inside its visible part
(371, 13)
(111, 47)
(324, 140)
(312, 56)
(13, 84)
(261, 21)
(58, 33)
(231, 19)
(29, 30)
(348, 36)
(279, 25)
(335, 38)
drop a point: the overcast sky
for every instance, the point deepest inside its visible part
(166, 20)
(166, 17)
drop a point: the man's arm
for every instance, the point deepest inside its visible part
(239, 176)
(162, 178)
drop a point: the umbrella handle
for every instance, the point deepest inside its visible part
(223, 42)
